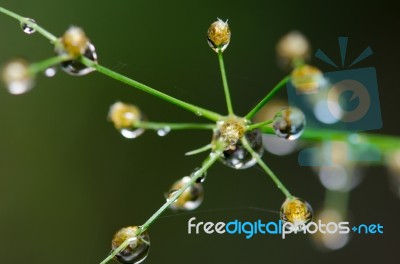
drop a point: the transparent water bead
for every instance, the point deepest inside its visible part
(28, 29)
(76, 68)
(296, 211)
(50, 72)
(137, 249)
(162, 132)
(190, 199)
(219, 35)
(195, 173)
(238, 157)
(16, 77)
(125, 117)
(289, 123)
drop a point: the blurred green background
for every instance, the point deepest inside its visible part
(68, 180)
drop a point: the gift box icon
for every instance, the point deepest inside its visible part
(345, 99)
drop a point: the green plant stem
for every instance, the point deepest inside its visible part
(264, 166)
(35, 26)
(225, 82)
(117, 76)
(258, 125)
(173, 126)
(206, 164)
(383, 142)
(195, 109)
(40, 66)
(268, 97)
(199, 150)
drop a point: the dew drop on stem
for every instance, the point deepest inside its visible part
(195, 173)
(137, 249)
(163, 131)
(76, 68)
(289, 123)
(190, 199)
(28, 29)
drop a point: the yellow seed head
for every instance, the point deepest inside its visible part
(230, 131)
(293, 46)
(75, 41)
(306, 78)
(219, 35)
(15, 75)
(296, 211)
(124, 115)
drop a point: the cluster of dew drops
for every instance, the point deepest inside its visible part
(288, 122)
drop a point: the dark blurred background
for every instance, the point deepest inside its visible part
(68, 180)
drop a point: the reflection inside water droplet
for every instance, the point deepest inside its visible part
(195, 173)
(163, 131)
(190, 199)
(76, 68)
(28, 29)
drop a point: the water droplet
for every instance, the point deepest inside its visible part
(195, 173)
(198, 113)
(289, 123)
(15, 75)
(26, 28)
(238, 157)
(296, 211)
(50, 72)
(219, 35)
(125, 116)
(190, 199)
(163, 131)
(76, 68)
(138, 248)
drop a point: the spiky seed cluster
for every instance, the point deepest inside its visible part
(124, 115)
(306, 78)
(230, 131)
(296, 211)
(219, 35)
(75, 42)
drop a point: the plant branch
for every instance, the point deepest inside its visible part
(264, 166)
(383, 142)
(206, 164)
(40, 66)
(199, 150)
(225, 82)
(258, 125)
(117, 76)
(172, 126)
(31, 24)
(268, 97)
